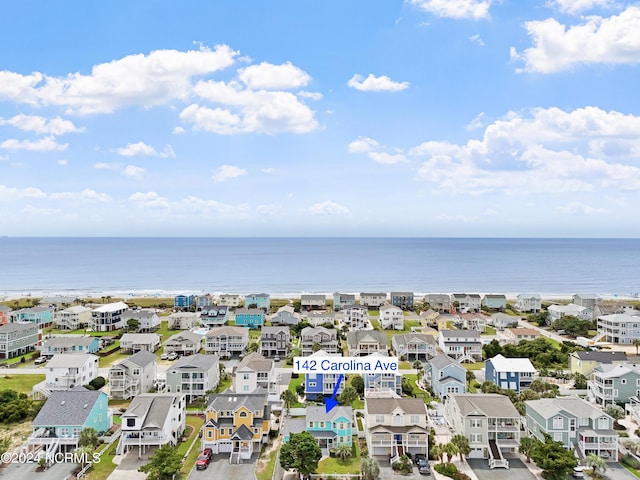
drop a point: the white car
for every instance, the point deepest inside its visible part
(164, 356)
(578, 472)
(40, 360)
(172, 356)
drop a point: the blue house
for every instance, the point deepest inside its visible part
(330, 429)
(319, 385)
(41, 316)
(70, 344)
(183, 301)
(65, 414)
(258, 300)
(214, 316)
(510, 373)
(448, 376)
(249, 317)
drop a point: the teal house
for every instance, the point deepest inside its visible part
(65, 414)
(249, 317)
(330, 429)
(40, 316)
(258, 300)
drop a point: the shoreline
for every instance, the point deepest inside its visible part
(122, 294)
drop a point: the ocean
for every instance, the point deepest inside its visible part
(153, 266)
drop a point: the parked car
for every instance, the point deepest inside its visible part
(40, 360)
(204, 459)
(419, 457)
(423, 468)
(164, 356)
(172, 356)
(578, 472)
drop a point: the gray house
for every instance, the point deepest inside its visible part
(440, 302)
(314, 338)
(274, 341)
(194, 376)
(403, 300)
(133, 376)
(366, 342)
(227, 341)
(285, 315)
(134, 342)
(313, 302)
(575, 423)
(184, 343)
(373, 299)
(614, 384)
(342, 299)
(448, 376)
(414, 346)
(183, 320)
(17, 339)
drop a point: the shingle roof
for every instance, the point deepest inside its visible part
(461, 333)
(315, 413)
(228, 330)
(353, 338)
(503, 364)
(256, 362)
(490, 404)
(69, 341)
(140, 338)
(111, 307)
(600, 357)
(70, 360)
(67, 408)
(153, 407)
(388, 405)
(16, 327)
(404, 338)
(441, 361)
(185, 336)
(197, 361)
(141, 358)
(548, 407)
(231, 401)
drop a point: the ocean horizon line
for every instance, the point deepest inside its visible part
(342, 237)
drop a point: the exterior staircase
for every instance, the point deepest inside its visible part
(495, 456)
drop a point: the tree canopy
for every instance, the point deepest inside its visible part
(555, 460)
(301, 453)
(163, 464)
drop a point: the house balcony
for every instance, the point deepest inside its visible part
(405, 443)
(506, 426)
(584, 446)
(137, 438)
(46, 437)
(122, 383)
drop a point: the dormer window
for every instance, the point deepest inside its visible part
(243, 414)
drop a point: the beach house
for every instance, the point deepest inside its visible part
(318, 338)
(194, 376)
(528, 303)
(147, 319)
(474, 321)
(66, 371)
(575, 423)
(320, 385)
(152, 420)
(373, 300)
(556, 312)
(183, 302)
(500, 321)
(72, 318)
(313, 302)
(286, 315)
(494, 301)
(382, 384)
(231, 300)
(396, 426)
(510, 373)
(447, 376)
(183, 343)
(108, 317)
(330, 429)
(365, 342)
(489, 421)
(402, 300)
(621, 328)
(440, 302)
(227, 341)
(275, 341)
(516, 335)
(356, 317)
(133, 376)
(585, 361)
(214, 316)
(203, 301)
(236, 424)
(463, 345)
(249, 317)
(391, 317)
(611, 384)
(252, 372)
(69, 343)
(414, 346)
(57, 426)
(183, 320)
(466, 302)
(589, 300)
(17, 339)
(134, 342)
(342, 299)
(258, 300)
(40, 316)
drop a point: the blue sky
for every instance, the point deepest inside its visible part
(289, 118)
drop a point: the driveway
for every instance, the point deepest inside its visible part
(128, 465)
(221, 468)
(387, 473)
(27, 471)
(615, 471)
(517, 470)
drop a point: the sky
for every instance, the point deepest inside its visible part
(421, 118)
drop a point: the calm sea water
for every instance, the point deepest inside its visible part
(292, 265)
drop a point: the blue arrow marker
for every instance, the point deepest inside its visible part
(332, 402)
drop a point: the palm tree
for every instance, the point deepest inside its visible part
(370, 468)
(636, 343)
(470, 376)
(462, 443)
(437, 453)
(289, 399)
(343, 451)
(597, 464)
(451, 449)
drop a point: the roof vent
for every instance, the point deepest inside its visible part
(85, 405)
(62, 402)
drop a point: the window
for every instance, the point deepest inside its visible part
(321, 424)
(572, 424)
(415, 419)
(557, 437)
(476, 438)
(397, 419)
(312, 384)
(379, 418)
(623, 381)
(131, 422)
(557, 422)
(310, 424)
(603, 423)
(476, 423)
(243, 414)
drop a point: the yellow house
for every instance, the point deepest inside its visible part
(584, 362)
(236, 423)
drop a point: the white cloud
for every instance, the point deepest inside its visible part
(363, 145)
(577, 6)
(579, 208)
(84, 195)
(149, 200)
(106, 166)
(387, 158)
(62, 162)
(548, 151)
(200, 205)
(310, 95)
(328, 208)
(272, 77)
(134, 80)
(12, 193)
(609, 40)
(178, 130)
(226, 172)
(477, 122)
(131, 171)
(47, 144)
(141, 148)
(31, 210)
(477, 39)
(376, 84)
(246, 111)
(472, 9)
(41, 125)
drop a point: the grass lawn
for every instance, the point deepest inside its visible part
(415, 391)
(109, 360)
(292, 386)
(223, 385)
(473, 366)
(474, 386)
(357, 405)
(349, 466)
(119, 403)
(633, 471)
(20, 383)
(102, 470)
(375, 323)
(489, 331)
(151, 302)
(404, 366)
(195, 421)
(254, 334)
(408, 324)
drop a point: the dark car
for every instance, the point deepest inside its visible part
(418, 457)
(204, 459)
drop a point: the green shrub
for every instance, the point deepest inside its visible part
(631, 461)
(403, 466)
(446, 469)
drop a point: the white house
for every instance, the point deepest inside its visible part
(147, 319)
(107, 318)
(134, 342)
(152, 420)
(183, 320)
(528, 303)
(391, 317)
(72, 318)
(253, 371)
(556, 312)
(133, 376)
(66, 371)
(463, 345)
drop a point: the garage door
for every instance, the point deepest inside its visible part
(225, 447)
(476, 453)
(380, 451)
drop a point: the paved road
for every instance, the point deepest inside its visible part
(546, 333)
(615, 471)
(27, 471)
(221, 468)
